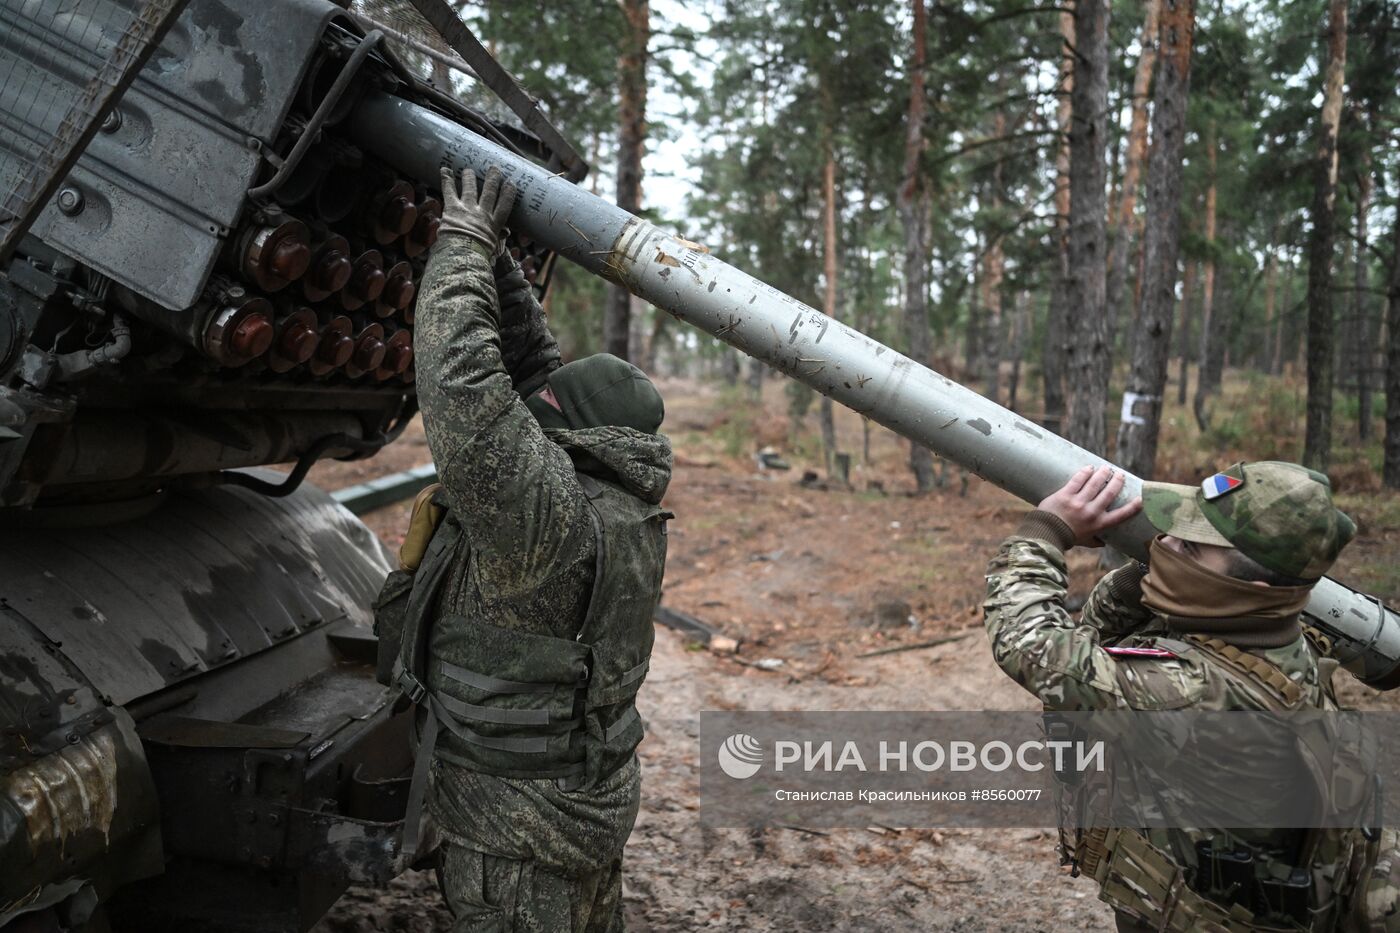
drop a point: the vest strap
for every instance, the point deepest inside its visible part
(635, 674)
(495, 684)
(511, 717)
(413, 811)
(519, 744)
(623, 721)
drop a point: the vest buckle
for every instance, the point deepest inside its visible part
(411, 687)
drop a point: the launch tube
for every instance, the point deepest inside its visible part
(684, 279)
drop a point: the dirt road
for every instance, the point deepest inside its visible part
(683, 877)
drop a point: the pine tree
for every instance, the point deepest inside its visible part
(1147, 379)
(631, 145)
(1087, 332)
(913, 207)
(1317, 444)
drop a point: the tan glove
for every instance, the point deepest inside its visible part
(480, 218)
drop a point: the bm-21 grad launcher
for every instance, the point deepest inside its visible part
(202, 274)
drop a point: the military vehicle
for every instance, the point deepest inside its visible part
(202, 273)
(213, 269)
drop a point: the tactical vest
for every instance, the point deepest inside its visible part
(1139, 878)
(523, 704)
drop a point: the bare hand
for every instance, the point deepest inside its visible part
(1083, 504)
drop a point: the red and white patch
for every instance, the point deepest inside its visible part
(1156, 654)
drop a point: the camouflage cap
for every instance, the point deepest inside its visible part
(1279, 514)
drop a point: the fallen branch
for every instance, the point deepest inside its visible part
(916, 646)
(685, 622)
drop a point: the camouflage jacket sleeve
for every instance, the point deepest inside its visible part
(527, 346)
(1035, 640)
(1115, 604)
(514, 492)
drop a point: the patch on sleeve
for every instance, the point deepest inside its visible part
(1124, 651)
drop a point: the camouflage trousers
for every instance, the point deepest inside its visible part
(494, 894)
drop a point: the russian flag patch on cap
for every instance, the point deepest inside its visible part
(1218, 485)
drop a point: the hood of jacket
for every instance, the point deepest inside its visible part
(638, 462)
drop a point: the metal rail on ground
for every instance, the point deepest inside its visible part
(386, 490)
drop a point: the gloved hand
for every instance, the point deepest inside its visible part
(481, 218)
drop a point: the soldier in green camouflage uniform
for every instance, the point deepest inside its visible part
(1217, 607)
(535, 784)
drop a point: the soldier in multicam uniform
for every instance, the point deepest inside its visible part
(528, 629)
(1212, 622)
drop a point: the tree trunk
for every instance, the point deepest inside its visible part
(1391, 472)
(1087, 347)
(1215, 336)
(972, 332)
(1127, 226)
(1204, 382)
(912, 203)
(1361, 305)
(1188, 288)
(730, 365)
(1317, 440)
(1286, 315)
(757, 370)
(990, 335)
(1152, 337)
(1054, 351)
(993, 271)
(631, 144)
(1344, 354)
(827, 416)
(1019, 325)
(1262, 355)
(651, 349)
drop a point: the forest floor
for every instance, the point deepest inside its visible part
(814, 576)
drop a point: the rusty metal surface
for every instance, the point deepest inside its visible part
(204, 580)
(87, 810)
